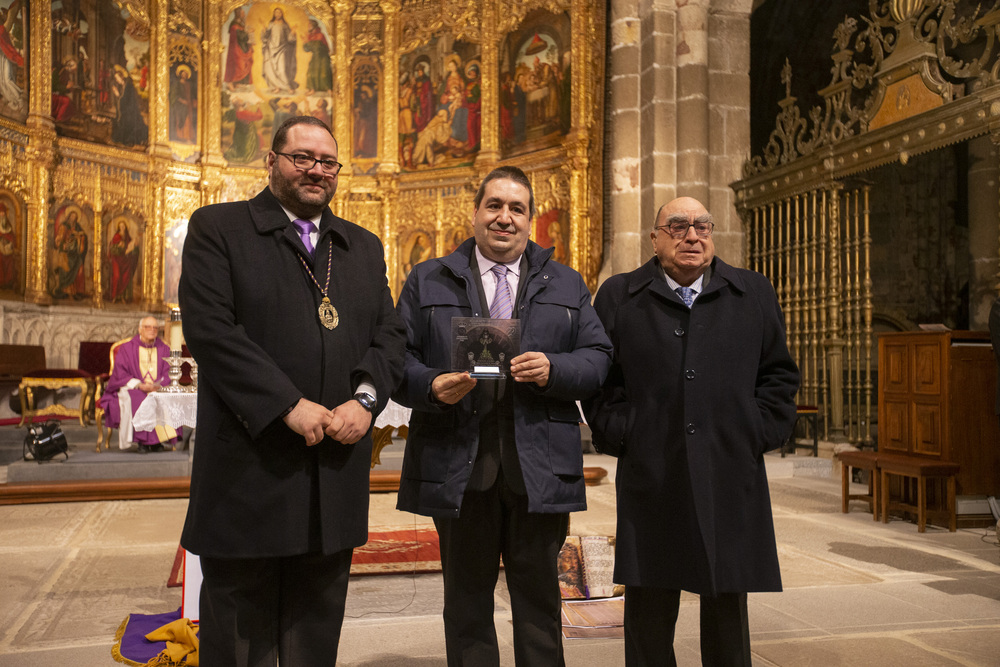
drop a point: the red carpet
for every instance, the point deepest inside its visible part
(397, 551)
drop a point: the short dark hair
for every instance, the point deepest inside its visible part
(281, 134)
(511, 173)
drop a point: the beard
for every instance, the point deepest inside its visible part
(296, 198)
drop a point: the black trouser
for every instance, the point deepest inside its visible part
(257, 611)
(496, 523)
(650, 617)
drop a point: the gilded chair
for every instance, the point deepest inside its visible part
(102, 437)
(90, 368)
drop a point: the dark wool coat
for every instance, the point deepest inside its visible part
(693, 400)
(558, 319)
(250, 320)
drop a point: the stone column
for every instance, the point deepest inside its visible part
(984, 228)
(678, 118)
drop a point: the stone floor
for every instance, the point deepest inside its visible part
(856, 592)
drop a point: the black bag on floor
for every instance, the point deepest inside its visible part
(44, 442)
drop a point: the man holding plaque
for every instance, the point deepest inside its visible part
(496, 460)
(287, 310)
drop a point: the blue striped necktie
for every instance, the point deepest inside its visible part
(686, 294)
(502, 305)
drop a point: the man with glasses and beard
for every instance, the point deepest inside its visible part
(702, 385)
(288, 313)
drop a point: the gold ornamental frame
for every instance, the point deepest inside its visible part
(160, 186)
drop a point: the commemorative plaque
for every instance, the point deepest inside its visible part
(484, 346)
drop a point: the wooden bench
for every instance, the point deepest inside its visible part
(862, 461)
(920, 469)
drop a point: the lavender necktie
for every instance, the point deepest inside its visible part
(305, 227)
(686, 294)
(502, 305)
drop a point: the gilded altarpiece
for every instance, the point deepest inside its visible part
(140, 111)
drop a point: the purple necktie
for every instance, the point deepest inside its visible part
(686, 294)
(305, 227)
(502, 305)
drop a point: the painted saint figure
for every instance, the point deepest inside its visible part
(128, 127)
(278, 44)
(319, 76)
(239, 58)
(11, 58)
(8, 250)
(246, 143)
(71, 245)
(124, 256)
(183, 106)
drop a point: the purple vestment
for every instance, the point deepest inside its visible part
(127, 368)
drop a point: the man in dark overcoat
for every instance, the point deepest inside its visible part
(288, 313)
(498, 463)
(701, 386)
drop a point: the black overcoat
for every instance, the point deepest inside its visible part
(250, 320)
(693, 400)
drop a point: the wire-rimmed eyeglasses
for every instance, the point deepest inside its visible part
(307, 162)
(679, 230)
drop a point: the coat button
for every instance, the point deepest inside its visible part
(678, 332)
(689, 375)
(690, 429)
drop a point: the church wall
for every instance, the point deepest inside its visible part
(678, 73)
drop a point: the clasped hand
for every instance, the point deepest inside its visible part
(346, 423)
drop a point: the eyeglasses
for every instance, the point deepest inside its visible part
(307, 162)
(679, 230)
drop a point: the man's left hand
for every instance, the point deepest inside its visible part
(349, 423)
(530, 367)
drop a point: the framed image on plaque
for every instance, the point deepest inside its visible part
(484, 346)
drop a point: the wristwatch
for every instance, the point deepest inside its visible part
(366, 400)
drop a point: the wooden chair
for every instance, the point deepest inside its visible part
(811, 414)
(98, 410)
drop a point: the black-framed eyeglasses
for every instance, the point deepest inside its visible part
(307, 162)
(679, 230)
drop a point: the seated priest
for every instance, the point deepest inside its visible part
(140, 368)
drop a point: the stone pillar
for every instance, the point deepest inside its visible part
(984, 228)
(678, 119)
(623, 144)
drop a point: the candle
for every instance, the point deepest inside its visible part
(176, 336)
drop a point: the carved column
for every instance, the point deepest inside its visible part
(489, 138)
(390, 90)
(210, 106)
(834, 341)
(40, 157)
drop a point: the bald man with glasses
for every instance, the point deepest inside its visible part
(701, 385)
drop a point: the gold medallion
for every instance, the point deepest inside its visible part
(328, 314)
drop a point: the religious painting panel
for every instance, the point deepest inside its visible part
(366, 78)
(122, 262)
(14, 72)
(415, 247)
(70, 259)
(552, 231)
(12, 243)
(183, 109)
(535, 80)
(440, 104)
(173, 245)
(100, 73)
(276, 64)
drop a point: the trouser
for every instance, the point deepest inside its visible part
(650, 617)
(496, 523)
(257, 611)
